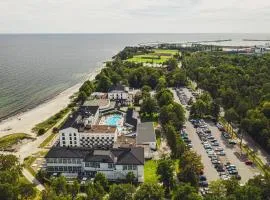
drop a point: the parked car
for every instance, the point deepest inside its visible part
(203, 183)
(248, 162)
(232, 142)
(202, 178)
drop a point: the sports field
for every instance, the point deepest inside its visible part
(158, 56)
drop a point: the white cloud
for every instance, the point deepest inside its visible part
(134, 16)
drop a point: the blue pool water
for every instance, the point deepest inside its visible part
(113, 120)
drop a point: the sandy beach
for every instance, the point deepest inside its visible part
(24, 122)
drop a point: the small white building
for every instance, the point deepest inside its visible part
(114, 163)
(121, 94)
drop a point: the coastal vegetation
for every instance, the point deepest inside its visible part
(44, 126)
(8, 141)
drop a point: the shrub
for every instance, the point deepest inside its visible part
(41, 131)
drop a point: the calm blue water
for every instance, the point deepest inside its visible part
(113, 120)
(34, 68)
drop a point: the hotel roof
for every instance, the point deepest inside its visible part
(121, 156)
(98, 129)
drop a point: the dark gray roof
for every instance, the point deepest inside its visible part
(76, 116)
(124, 156)
(145, 133)
(66, 152)
(128, 156)
(131, 119)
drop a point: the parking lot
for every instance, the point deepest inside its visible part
(220, 158)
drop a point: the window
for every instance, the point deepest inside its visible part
(63, 138)
(94, 164)
(75, 138)
(110, 165)
(64, 142)
(129, 167)
(64, 160)
(63, 134)
(70, 138)
(70, 142)
(70, 134)
(134, 167)
(74, 134)
(124, 167)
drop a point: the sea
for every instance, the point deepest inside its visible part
(36, 67)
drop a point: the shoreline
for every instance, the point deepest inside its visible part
(24, 121)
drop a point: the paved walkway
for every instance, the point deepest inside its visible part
(32, 179)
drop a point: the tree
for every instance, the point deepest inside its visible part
(94, 191)
(100, 178)
(172, 64)
(146, 91)
(104, 84)
(74, 189)
(149, 191)
(191, 158)
(121, 192)
(149, 106)
(27, 191)
(59, 185)
(130, 177)
(186, 192)
(218, 190)
(215, 109)
(266, 109)
(164, 97)
(188, 175)
(231, 115)
(161, 84)
(165, 171)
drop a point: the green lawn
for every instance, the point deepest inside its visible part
(150, 168)
(8, 141)
(159, 56)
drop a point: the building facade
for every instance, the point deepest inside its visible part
(93, 136)
(114, 163)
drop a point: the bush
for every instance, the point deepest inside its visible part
(55, 130)
(41, 131)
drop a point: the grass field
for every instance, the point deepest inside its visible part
(150, 168)
(159, 56)
(8, 141)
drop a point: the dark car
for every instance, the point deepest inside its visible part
(203, 178)
(248, 162)
(203, 184)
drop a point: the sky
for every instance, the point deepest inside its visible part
(134, 16)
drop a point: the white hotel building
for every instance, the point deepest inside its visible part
(80, 130)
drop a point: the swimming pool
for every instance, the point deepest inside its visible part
(114, 120)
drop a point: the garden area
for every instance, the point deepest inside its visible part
(158, 56)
